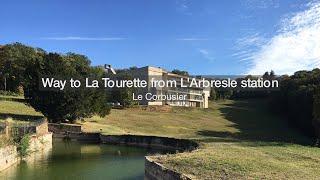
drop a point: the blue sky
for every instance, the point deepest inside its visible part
(200, 36)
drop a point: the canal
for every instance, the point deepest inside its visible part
(74, 160)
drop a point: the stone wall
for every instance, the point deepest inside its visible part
(39, 128)
(41, 142)
(8, 157)
(42, 128)
(63, 128)
(82, 137)
(151, 142)
(156, 171)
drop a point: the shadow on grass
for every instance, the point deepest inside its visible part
(20, 117)
(255, 122)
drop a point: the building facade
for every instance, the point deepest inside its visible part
(194, 96)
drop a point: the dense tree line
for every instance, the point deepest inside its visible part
(15, 59)
(23, 66)
(299, 100)
(180, 72)
(243, 93)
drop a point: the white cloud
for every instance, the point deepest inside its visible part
(254, 39)
(205, 53)
(183, 6)
(75, 38)
(192, 39)
(260, 4)
(246, 47)
(296, 46)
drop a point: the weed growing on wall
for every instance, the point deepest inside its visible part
(23, 145)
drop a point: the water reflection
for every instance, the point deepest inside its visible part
(73, 160)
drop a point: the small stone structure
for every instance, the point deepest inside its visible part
(40, 139)
(38, 127)
(81, 137)
(64, 128)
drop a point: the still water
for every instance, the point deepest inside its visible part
(73, 160)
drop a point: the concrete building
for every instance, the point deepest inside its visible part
(194, 96)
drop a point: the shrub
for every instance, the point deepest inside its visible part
(23, 145)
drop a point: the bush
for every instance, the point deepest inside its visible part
(23, 145)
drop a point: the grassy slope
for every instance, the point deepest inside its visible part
(245, 120)
(239, 139)
(247, 160)
(17, 111)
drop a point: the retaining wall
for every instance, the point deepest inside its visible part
(82, 137)
(63, 128)
(156, 171)
(42, 128)
(40, 142)
(151, 142)
(9, 155)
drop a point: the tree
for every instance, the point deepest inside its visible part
(316, 113)
(298, 100)
(123, 95)
(213, 94)
(69, 104)
(179, 72)
(14, 59)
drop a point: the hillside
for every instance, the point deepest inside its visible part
(239, 139)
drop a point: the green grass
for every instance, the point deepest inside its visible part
(10, 97)
(247, 160)
(17, 111)
(242, 120)
(238, 139)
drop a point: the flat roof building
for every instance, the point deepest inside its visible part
(193, 96)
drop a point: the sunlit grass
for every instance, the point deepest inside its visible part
(238, 139)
